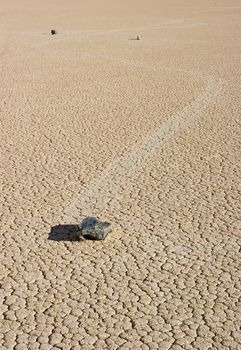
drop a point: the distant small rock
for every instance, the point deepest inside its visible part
(53, 31)
(93, 229)
(138, 37)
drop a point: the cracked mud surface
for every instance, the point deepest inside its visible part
(144, 134)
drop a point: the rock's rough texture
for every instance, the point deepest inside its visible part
(92, 228)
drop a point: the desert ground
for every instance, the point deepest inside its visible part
(143, 133)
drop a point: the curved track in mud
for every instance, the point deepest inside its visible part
(94, 198)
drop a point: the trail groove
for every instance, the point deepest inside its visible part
(95, 197)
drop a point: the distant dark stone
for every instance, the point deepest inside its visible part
(53, 31)
(92, 228)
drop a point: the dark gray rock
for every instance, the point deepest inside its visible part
(92, 228)
(53, 31)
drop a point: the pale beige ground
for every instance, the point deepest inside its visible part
(143, 133)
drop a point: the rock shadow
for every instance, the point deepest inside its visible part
(64, 233)
(67, 233)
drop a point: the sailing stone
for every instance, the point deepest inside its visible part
(93, 229)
